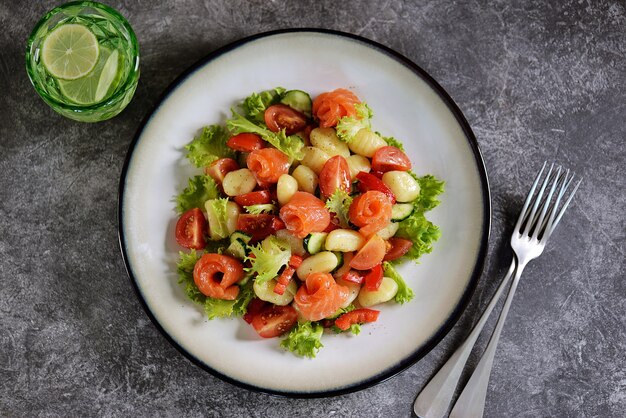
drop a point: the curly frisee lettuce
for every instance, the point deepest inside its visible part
(305, 339)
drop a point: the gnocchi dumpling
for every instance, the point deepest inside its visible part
(238, 182)
(366, 143)
(314, 158)
(265, 291)
(326, 139)
(344, 240)
(286, 187)
(385, 292)
(404, 187)
(322, 262)
(358, 163)
(306, 178)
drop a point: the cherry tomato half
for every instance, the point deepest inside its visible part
(245, 142)
(260, 197)
(218, 169)
(259, 226)
(368, 181)
(278, 117)
(190, 229)
(274, 320)
(335, 175)
(399, 247)
(255, 306)
(371, 254)
(390, 158)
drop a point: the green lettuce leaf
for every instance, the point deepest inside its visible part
(304, 339)
(254, 105)
(267, 258)
(390, 140)
(261, 208)
(339, 204)
(184, 268)
(421, 231)
(291, 145)
(209, 146)
(405, 293)
(355, 329)
(347, 127)
(430, 188)
(199, 190)
(217, 308)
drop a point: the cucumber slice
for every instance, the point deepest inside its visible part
(298, 100)
(238, 249)
(314, 242)
(238, 235)
(339, 256)
(401, 211)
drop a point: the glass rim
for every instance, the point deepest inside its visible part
(130, 80)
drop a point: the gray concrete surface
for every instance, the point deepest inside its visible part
(536, 80)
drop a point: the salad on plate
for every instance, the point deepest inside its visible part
(299, 216)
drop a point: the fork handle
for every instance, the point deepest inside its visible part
(471, 402)
(434, 399)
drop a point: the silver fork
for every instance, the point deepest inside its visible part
(532, 230)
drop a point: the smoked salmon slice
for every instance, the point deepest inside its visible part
(268, 164)
(371, 211)
(320, 297)
(331, 106)
(305, 213)
(216, 275)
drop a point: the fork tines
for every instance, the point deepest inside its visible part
(545, 214)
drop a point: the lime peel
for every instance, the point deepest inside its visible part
(70, 52)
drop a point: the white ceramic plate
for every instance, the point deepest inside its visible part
(409, 105)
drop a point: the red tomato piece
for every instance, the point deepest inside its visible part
(267, 165)
(216, 275)
(369, 181)
(353, 276)
(259, 226)
(377, 174)
(295, 261)
(371, 254)
(190, 229)
(374, 278)
(335, 175)
(357, 316)
(274, 321)
(259, 197)
(278, 117)
(255, 306)
(399, 247)
(390, 158)
(218, 169)
(283, 280)
(245, 142)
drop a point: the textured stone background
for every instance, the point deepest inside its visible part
(536, 80)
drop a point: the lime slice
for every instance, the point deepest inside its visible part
(70, 51)
(107, 76)
(94, 87)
